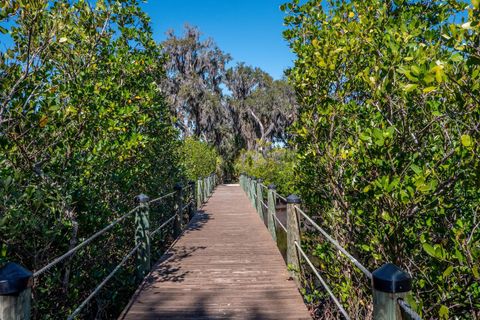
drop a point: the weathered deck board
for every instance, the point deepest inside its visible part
(225, 266)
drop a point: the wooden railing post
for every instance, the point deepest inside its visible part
(253, 190)
(207, 184)
(199, 194)
(205, 189)
(211, 184)
(390, 283)
(241, 180)
(192, 205)
(178, 221)
(259, 199)
(142, 237)
(293, 236)
(209, 179)
(271, 211)
(15, 292)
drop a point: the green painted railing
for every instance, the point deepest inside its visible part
(390, 284)
(16, 281)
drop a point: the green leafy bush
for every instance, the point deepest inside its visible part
(273, 166)
(388, 144)
(83, 130)
(199, 159)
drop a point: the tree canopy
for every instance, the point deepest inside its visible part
(231, 108)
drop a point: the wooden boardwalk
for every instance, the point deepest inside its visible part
(225, 266)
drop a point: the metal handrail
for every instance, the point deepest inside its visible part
(142, 235)
(280, 196)
(407, 310)
(324, 284)
(103, 283)
(93, 237)
(264, 204)
(162, 197)
(163, 225)
(280, 223)
(83, 244)
(336, 244)
(125, 258)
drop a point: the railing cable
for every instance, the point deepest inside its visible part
(186, 205)
(162, 197)
(336, 244)
(280, 196)
(264, 204)
(324, 284)
(100, 286)
(163, 225)
(405, 307)
(83, 244)
(280, 223)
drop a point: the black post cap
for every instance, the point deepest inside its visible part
(391, 279)
(271, 186)
(142, 198)
(177, 187)
(293, 199)
(14, 279)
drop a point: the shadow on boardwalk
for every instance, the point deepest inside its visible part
(168, 268)
(224, 266)
(201, 309)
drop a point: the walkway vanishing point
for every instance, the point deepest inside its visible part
(224, 266)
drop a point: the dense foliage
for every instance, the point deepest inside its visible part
(275, 166)
(199, 159)
(83, 130)
(388, 143)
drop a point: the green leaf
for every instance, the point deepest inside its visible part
(410, 87)
(466, 140)
(447, 272)
(443, 312)
(3, 251)
(457, 57)
(429, 249)
(475, 272)
(416, 169)
(429, 89)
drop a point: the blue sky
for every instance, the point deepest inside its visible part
(249, 30)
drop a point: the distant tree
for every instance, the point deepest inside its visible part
(256, 112)
(261, 108)
(195, 71)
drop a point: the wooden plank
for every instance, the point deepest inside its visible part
(224, 266)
